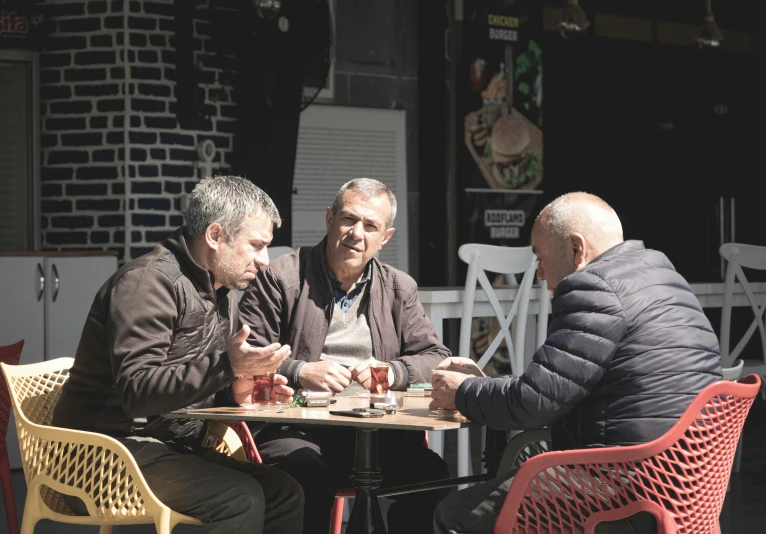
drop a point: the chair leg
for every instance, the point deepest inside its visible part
(31, 513)
(162, 523)
(464, 467)
(105, 529)
(336, 519)
(738, 454)
(10, 501)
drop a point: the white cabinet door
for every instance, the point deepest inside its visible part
(72, 286)
(22, 316)
(22, 305)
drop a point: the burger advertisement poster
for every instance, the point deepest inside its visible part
(500, 99)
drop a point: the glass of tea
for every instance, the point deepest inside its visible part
(379, 377)
(263, 389)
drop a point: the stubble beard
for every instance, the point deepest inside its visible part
(231, 277)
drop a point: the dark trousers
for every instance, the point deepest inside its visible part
(321, 461)
(227, 495)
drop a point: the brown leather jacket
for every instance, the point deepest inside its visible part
(291, 302)
(154, 341)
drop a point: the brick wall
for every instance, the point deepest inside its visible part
(85, 203)
(84, 104)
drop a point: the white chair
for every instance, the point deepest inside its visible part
(509, 261)
(275, 252)
(752, 257)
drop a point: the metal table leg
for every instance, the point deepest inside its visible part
(366, 517)
(493, 452)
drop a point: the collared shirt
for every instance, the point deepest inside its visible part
(345, 300)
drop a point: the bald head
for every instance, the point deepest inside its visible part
(585, 214)
(570, 232)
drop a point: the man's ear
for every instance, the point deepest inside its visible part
(214, 236)
(579, 248)
(328, 219)
(388, 236)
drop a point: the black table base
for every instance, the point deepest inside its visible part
(366, 517)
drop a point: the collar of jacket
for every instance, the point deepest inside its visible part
(621, 248)
(203, 278)
(322, 270)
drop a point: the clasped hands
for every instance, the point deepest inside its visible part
(447, 377)
(330, 376)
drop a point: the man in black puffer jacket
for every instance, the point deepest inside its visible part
(629, 349)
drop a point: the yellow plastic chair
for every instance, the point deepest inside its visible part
(93, 467)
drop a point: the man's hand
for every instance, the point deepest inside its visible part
(460, 365)
(247, 360)
(282, 392)
(361, 373)
(242, 390)
(324, 376)
(445, 388)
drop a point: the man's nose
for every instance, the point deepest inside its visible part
(358, 230)
(262, 257)
(540, 272)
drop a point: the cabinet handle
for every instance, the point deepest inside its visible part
(733, 220)
(56, 282)
(41, 289)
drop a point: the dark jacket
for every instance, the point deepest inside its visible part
(291, 302)
(629, 349)
(154, 341)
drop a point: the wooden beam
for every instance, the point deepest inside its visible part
(611, 26)
(620, 27)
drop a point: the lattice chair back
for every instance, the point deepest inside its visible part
(224, 438)
(93, 467)
(522, 447)
(246, 438)
(502, 260)
(680, 478)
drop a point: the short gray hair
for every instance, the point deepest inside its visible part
(368, 188)
(228, 201)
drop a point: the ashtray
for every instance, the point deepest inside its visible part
(445, 415)
(388, 400)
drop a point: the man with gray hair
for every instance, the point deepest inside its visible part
(629, 349)
(162, 335)
(338, 307)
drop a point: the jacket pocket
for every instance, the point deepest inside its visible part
(188, 337)
(192, 320)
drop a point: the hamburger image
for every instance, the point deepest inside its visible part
(513, 164)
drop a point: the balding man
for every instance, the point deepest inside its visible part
(628, 350)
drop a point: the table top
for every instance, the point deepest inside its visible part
(413, 415)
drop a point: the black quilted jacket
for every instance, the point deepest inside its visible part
(628, 350)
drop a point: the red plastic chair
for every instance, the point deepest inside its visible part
(679, 478)
(10, 355)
